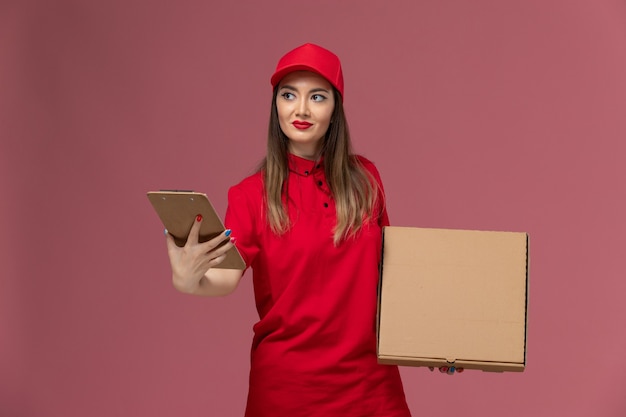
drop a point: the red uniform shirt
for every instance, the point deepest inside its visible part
(314, 347)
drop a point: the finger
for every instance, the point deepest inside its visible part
(216, 241)
(221, 250)
(194, 233)
(218, 255)
(216, 261)
(450, 370)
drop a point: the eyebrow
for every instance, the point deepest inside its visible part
(314, 90)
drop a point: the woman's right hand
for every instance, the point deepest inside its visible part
(191, 262)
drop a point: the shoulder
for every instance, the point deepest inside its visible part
(250, 188)
(368, 166)
(365, 163)
(250, 184)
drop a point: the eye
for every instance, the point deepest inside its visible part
(318, 97)
(288, 96)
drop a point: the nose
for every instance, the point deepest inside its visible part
(302, 108)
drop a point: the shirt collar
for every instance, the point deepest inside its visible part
(302, 166)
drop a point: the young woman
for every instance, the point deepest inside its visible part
(308, 223)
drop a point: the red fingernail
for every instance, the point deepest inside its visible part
(233, 240)
(199, 218)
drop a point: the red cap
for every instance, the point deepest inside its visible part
(314, 58)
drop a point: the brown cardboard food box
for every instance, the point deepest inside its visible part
(453, 298)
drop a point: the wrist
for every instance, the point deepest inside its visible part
(185, 284)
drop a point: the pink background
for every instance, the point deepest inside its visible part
(489, 114)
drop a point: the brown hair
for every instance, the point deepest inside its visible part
(353, 188)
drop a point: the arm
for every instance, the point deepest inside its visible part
(218, 282)
(193, 265)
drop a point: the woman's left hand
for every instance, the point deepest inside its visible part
(450, 370)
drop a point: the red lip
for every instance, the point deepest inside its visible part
(301, 125)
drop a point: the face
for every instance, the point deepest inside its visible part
(305, 104)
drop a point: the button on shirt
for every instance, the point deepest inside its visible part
(313, 191)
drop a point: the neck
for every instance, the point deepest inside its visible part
(307, 152)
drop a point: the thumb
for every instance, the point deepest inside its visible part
(169, 240)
